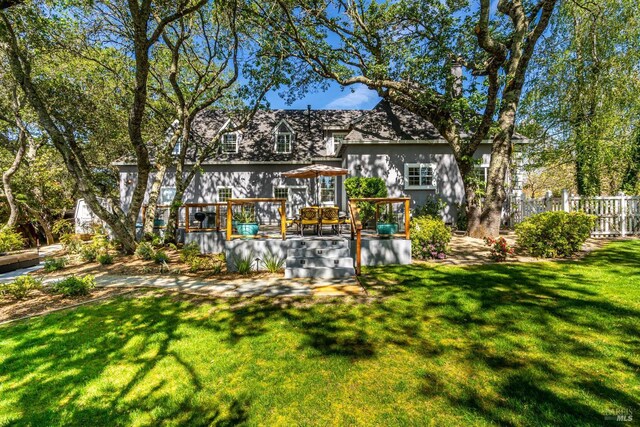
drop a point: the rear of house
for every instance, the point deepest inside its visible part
(404, 150)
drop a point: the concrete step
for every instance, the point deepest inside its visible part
(319, 244)
(293, 262)
(320, 272)
(315, 253)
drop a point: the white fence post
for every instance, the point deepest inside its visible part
(566, 206)
(548, 201)
(623, 214)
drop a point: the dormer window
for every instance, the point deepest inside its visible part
(230, 143)
(283, 142)
(283, 137)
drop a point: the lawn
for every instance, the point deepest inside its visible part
(513, 344)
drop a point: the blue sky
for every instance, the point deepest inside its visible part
(356, 97)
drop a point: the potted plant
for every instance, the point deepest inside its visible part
(246, 221)
(388, 222)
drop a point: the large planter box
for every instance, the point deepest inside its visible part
(387, 229)
(248, 229)
(13, 262)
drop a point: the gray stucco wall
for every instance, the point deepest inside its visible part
(381, 160)
(378, 160)
(246, 180)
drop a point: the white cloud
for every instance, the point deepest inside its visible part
(355, 99)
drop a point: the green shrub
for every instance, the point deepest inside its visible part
(99, 245)
(272, 262)
(554, 234)
(160, 257)
(360, 187)
(189, 251)
(62, 227)
(432, 206)
(145, 251)
(429, 238)
(74, 286)
(72, 243)
(243, 263)
(54, 264)
(10, 240)
(89, 253)
(21, 286)
(105, 258)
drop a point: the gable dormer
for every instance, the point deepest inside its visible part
(283, 137)
(229, 141)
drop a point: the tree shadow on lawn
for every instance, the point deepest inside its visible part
(94, 366)
(511, 344)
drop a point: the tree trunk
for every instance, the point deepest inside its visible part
(6, 180)
(502, 148)
(171, 232)
(152, 201)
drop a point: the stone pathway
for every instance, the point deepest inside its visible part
(270, 287)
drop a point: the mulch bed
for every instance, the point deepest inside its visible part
(41, 302)
(131, 265)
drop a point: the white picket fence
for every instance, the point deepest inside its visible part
(617, 215)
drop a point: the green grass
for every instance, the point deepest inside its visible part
(530, 344)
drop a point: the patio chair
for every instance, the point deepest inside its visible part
(330, 216)
(308, 217)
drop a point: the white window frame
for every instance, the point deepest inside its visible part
(282, 187)
(224, 145)
(223, 188)
(277, 133)
(484, 169)
(177, 148)
(331, 141)
(407, 186)
(161, 200)
(284, 134)
(332, 202)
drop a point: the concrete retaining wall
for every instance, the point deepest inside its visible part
(384, 251)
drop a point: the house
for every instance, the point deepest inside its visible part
(386, 142)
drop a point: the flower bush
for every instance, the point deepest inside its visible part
(430, 238)
(499, 248)
(554, 234)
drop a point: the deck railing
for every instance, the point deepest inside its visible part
(282, 210)
(190, 209)
(356, 222)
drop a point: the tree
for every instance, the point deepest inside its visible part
(405, 51)
(197, 66)
(584, 93)
(136, 26)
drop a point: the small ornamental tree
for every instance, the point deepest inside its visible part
(361, 187)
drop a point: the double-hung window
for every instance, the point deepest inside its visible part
(419, 176)
(283, 142)
(230, 143)
(327, 190)
(336, 139)
(224, 193)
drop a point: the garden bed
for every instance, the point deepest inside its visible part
(131, 265)
(468, 250)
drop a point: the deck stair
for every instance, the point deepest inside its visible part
(319, 258)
